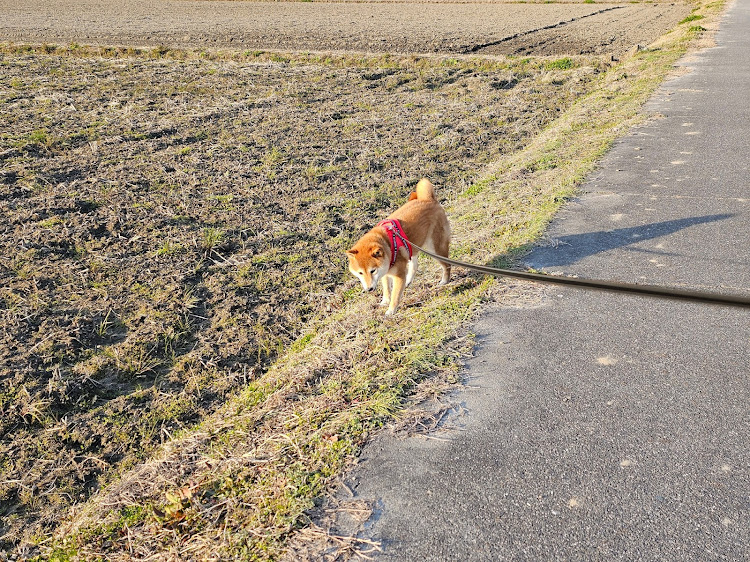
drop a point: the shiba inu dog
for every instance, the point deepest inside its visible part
(385, 253)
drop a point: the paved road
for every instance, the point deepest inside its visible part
(603, 426)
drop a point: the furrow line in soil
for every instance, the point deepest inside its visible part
(477, 48)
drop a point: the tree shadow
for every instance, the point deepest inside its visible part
(566, 250)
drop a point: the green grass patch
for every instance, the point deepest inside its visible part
(692, 17)
(560, 64)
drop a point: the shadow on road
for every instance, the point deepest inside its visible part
(569, 249)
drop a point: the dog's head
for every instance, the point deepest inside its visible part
(368, 262)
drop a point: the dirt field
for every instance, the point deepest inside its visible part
(163, 223)
(489, 28)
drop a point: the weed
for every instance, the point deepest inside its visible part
(211, 239)
(40, 137)
(170, 248)
(560, 64)
(692, 17)
(160, 52)
(135, 362)
(50, 222)
(102, 328)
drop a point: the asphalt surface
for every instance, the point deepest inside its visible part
(602, 426)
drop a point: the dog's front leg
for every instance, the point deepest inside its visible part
(397, 291)
(386, 283)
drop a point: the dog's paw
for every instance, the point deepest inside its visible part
(384, 302)
(390, 312)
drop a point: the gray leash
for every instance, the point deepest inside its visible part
(649, 290)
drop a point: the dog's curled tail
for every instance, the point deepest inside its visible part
(425, 191)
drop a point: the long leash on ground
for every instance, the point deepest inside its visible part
(649, 290)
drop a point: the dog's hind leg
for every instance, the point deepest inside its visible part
(411, 269)
(442, 249)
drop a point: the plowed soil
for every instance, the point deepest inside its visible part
(163, 222)
(163, 225)
(435, 27)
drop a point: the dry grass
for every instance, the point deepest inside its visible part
(166, 220)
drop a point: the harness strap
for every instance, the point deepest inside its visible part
(398, 237)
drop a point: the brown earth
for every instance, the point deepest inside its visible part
(168, 227)
(434, 27)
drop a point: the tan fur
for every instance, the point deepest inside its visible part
(425, 224)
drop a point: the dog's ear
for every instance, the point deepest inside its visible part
(352, 252)
(412, 196)
(377, 253)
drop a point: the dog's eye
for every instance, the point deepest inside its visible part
(372, 271)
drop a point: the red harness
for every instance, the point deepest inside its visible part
(398, 237)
